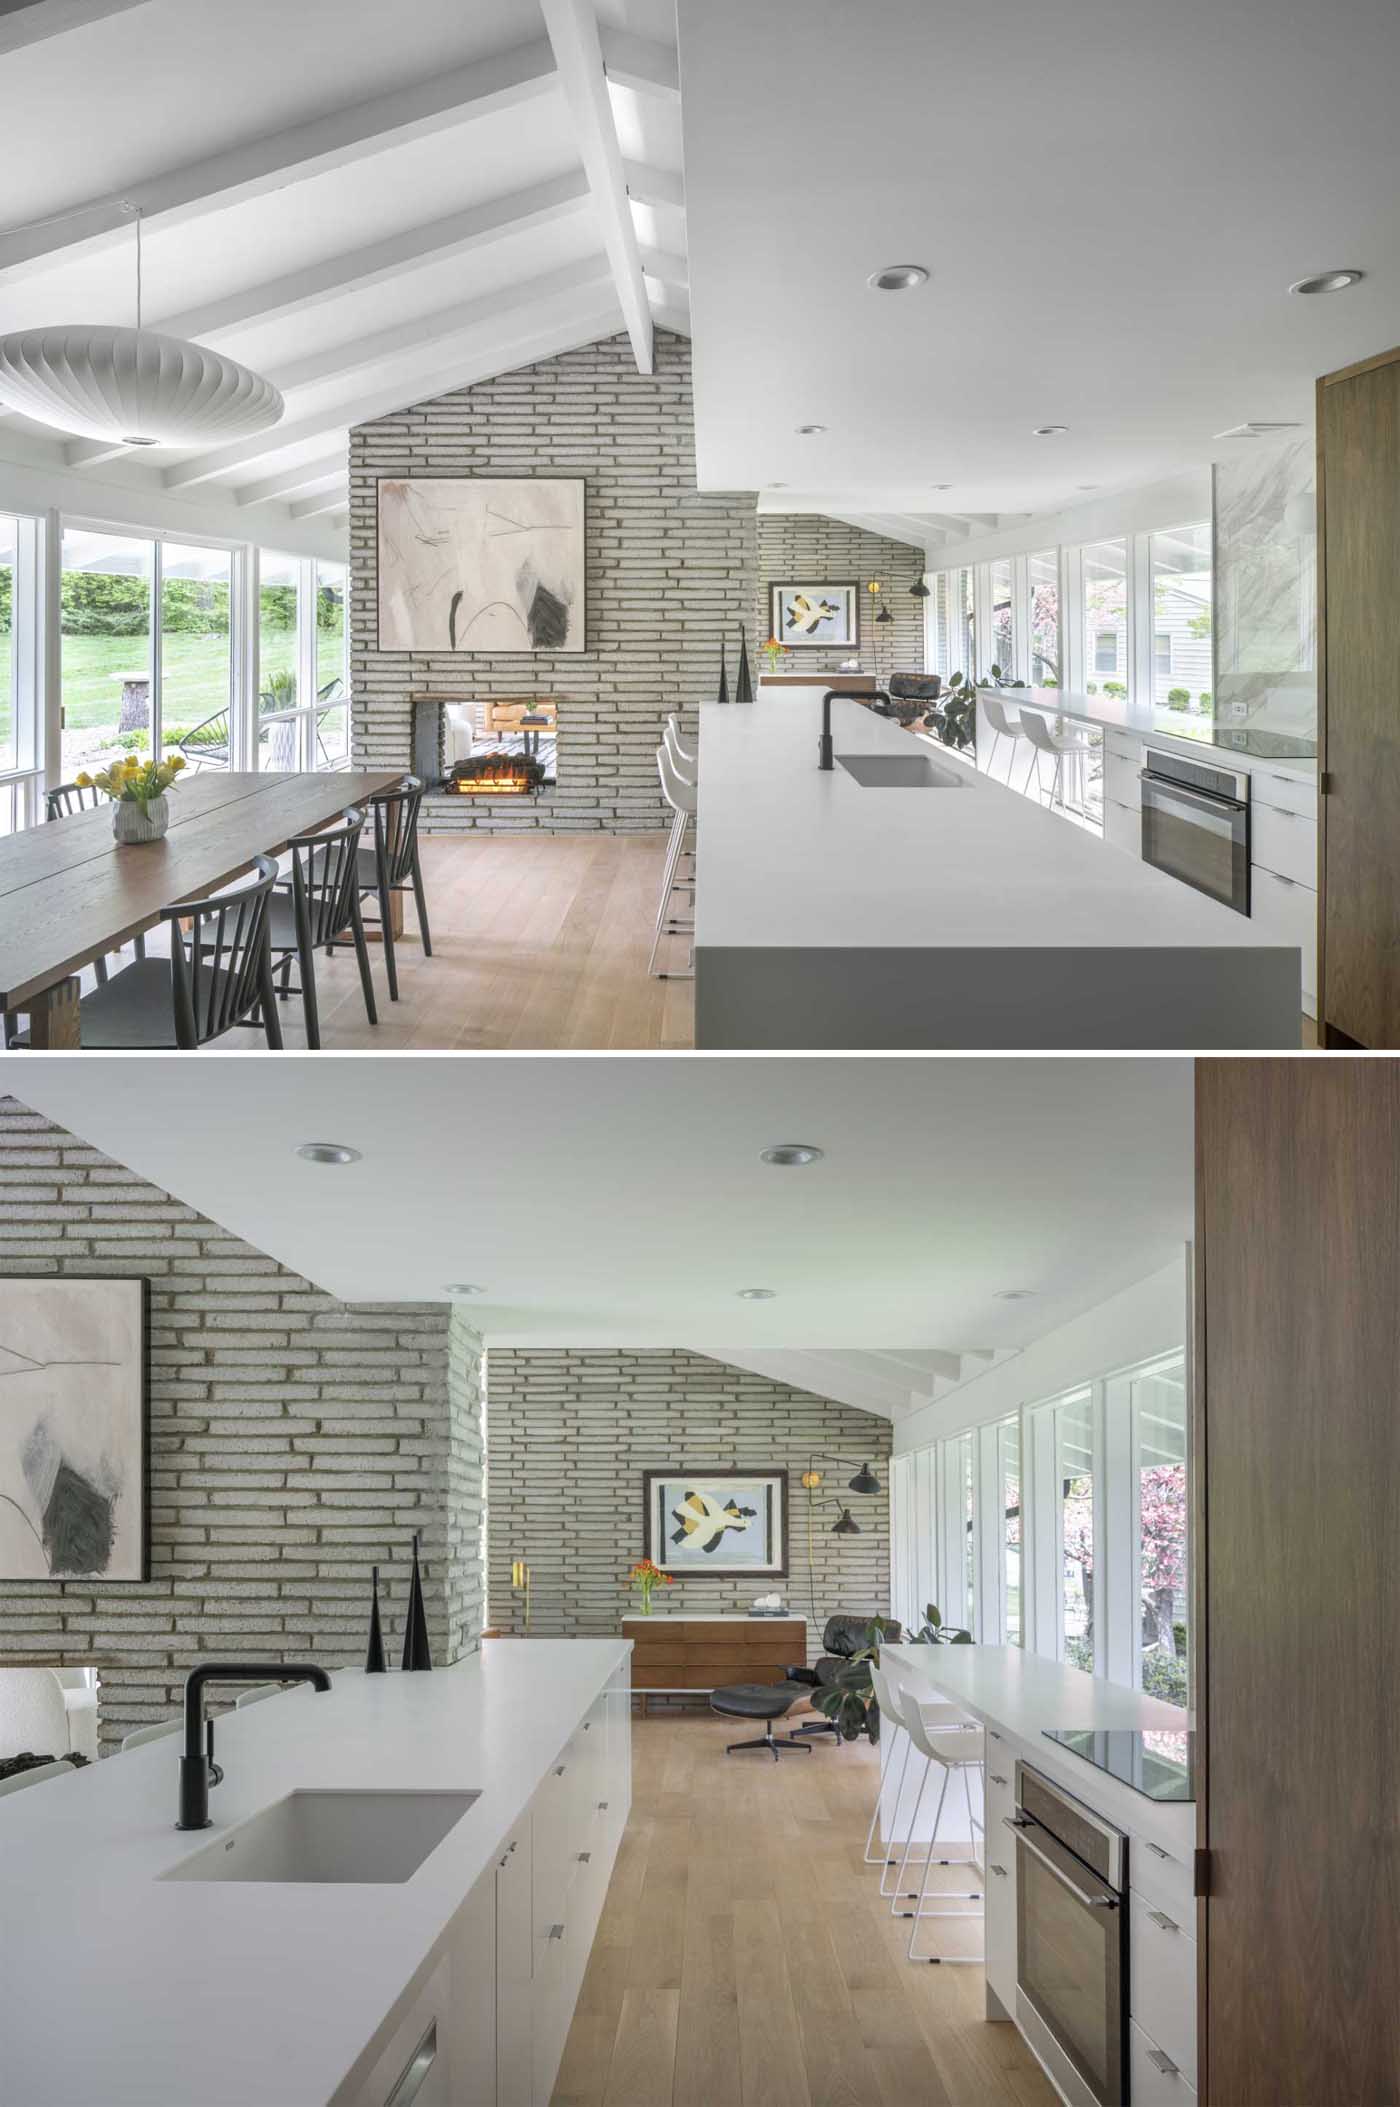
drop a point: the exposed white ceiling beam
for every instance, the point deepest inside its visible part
(352, 270)
(322, 501)
(583, 327)
(42, 19)
(452, 321)
(256, 166)
(654, 186)
(640, 63)
(309, 476)
(573, 33)
(664, 265)
(666, 316)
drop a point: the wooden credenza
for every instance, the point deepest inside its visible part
(674, 1654)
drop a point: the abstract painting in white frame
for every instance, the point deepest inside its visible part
(481, 564)
(73, 1429)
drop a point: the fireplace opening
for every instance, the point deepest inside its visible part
(496, 774)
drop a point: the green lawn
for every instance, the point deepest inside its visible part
(195, 682)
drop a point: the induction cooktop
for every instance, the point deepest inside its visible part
(1260, 745)
(1156, 1762)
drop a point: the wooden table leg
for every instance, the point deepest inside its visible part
(53, 1018)
(395, 921)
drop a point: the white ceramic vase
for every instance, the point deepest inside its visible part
(132, 822)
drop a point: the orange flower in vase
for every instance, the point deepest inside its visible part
(645, 1575)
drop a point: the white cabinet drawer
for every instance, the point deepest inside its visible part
(1124, 747)
(1162, 1981)
(1287, 913)
(1286, 843)
(1165, 1881)
(1122, 826)
(1155, 2078)
(1121, 778)
(1287, 793)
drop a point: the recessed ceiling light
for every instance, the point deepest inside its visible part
(777, 486)
(1048, 431)
(789, 1153)
(756, 1294)
(463, 1287)
(809, 431)
(327, 1152)
(942, 486)
(1015, 1294)
(898, 277)
(1327, 282)
(1086, 486)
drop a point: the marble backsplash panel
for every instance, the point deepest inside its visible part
(1266, 589)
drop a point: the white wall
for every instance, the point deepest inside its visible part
(1146, 1319)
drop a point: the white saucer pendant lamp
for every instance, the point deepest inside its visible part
(132, 386)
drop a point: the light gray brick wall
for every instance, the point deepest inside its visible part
(569, 1435)
(793, 546)
(295, 1441)
(669, 570)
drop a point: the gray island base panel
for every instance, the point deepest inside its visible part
(835, 916)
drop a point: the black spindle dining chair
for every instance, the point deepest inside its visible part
(323, 904)
(392, 866)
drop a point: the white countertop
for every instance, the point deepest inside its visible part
(1021, 1694)
(792, 857)
(1145, 720)
(120, 1988)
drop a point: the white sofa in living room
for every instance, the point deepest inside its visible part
(458, 732)
(48, 1712)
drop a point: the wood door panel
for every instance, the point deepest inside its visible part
(1359, 442)
(1298, 1363)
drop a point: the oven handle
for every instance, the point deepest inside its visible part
(1167, 788)
(1089, 1901)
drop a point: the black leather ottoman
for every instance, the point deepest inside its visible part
(765, 1701)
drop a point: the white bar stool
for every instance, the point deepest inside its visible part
(680, 795)
(680, 746)
(1064, 746)
(36, 1776)
(892, 1734)
(139, 1736)
(1006, 724)
(946, 1737)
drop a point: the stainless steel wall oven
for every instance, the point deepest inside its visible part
(1071, 1940)
(1195, 825)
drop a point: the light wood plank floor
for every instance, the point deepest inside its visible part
(744, 1958)
(539, 940)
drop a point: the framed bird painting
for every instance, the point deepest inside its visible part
(801, 616)
(717, 1522)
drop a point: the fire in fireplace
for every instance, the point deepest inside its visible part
(496, 775)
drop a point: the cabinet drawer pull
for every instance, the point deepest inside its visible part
(556, 1931)
(1158, 1852)
(602, 1807)
(584, 1857)
(995, 1779)
(414, 2074)
(1162, 1921)
(1000, 1870)
(1161, 2061)
(561, 1770)
(1279, 878)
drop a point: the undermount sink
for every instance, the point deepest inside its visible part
(900, 772)
(359, 1837)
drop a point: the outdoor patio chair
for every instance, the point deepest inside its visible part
(211, 752)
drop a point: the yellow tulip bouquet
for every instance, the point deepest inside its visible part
(137, 789)
(134, 781)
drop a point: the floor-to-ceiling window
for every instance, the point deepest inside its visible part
(331, 729)
(1043, 617)
(965, 639)
(107, 648)
(9, 727)
(195, 652)
(1012, 1539)
(278, 725)
(1158, 1406)
(1107, 638)
(1180, 559)
(1075, 1468)
(1002, 647)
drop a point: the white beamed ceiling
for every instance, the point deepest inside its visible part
(367, 204)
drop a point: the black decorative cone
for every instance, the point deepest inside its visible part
(374, 1654)
(743, 682)
(415, 1629)
(723, 695)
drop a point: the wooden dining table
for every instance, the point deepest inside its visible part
(69, 892)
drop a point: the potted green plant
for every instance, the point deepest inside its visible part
(848, 1701)
(934, 1632)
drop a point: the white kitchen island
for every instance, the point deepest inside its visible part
(122, 1986)
(830, 914)
(1016, 1696)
